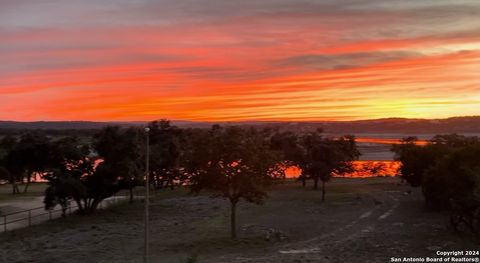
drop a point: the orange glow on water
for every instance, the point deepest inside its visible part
(386, 141)
(362, 169)
(373, 168)
(293, 172)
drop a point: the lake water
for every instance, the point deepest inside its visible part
(376, 158)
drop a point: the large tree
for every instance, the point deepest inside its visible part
(416, 159)
(65, 181)
(420, 164)
(85, 184)
(448, 170)
(231, 163)
(323, 157)
(34, 154)
(115, 165)
(6, 145)
(122, 155)
(166, 142)
(453, 183)
(292, 154)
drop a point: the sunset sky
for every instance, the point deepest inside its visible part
(238, 60)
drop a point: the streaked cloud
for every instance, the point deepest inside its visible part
(236, 60)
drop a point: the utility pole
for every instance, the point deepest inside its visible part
(147, 194)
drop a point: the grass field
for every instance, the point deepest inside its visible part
(34, 190)
(363, 220)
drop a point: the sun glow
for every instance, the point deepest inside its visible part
(258, 62)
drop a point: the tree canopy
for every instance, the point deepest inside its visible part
(234, 164)
(448, 171)
(319, 157)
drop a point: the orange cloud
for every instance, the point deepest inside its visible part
(289, 61)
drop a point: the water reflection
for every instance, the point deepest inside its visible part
(361, 169)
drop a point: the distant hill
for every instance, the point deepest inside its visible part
(396, 125)
(85, 125)
(392, 125)
(58, 125)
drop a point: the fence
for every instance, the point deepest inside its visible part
(28, 217)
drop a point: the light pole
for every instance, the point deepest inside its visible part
(147, 196)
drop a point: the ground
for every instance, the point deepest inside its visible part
(34, 190)
(363, 220)
(16, 209)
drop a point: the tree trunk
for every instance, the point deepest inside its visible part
(157, 182)
(323, 191)
(29, 177)
(315, 183)
(131, 195)
(15, 189)
(86, 205)
(81, 210)
(94, 205)
(26, 187)
(304, 181)
(233, 223)
(91, 205)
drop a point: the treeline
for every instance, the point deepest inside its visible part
(234, 163)
(448, 171)
(50, 132)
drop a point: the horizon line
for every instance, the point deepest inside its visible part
(241, 121)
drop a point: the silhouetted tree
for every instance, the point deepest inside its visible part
(415, 160)
(122, 153)
(6, 145)
(454, 183)
(232, 163)
(448, 170)
(88, 180)
(324, 157)
(85, 184)
(34, 154)
(72, 166)
(166, 142)
(287, 143)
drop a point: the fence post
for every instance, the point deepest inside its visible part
(29, 217)
(4, 223)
